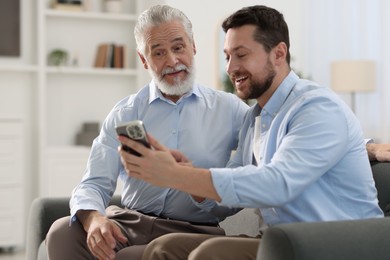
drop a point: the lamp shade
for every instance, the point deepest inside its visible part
(353, 76)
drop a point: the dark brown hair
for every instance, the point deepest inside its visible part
(271, 28)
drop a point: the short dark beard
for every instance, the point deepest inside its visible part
(257, 89)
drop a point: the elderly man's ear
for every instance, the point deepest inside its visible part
(143, 60)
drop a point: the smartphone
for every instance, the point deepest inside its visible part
(134, 130)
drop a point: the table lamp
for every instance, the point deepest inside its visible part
(353, 76)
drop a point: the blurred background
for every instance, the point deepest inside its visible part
(64, 64)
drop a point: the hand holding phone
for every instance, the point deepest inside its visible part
(136, 131)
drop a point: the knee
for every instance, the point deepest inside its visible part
(61, 231)
(208, 248)
(57, 229)
(162, 247)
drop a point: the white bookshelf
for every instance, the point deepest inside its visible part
(43, 107)
(69, 96)
(12, 183)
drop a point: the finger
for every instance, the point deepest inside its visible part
(129, 161)
(130, 167)
(117, 233)
(155, 144)
(94, 244)
(108, 235)
(138, 147)
(135, 171)
(179, 157)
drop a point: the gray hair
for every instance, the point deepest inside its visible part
(155, 16)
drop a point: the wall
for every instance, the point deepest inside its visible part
(320, 31)
(349, 30)
(207, 29)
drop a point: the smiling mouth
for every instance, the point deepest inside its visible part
(174, 73)
(240, 79)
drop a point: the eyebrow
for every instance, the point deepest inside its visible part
(237, 48)
(177, 39)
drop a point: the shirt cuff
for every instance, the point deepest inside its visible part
(73, 216)
(369, 140)
(206, 204)
(224, 185)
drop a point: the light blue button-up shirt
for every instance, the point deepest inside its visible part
(204, 125)
(313, 160)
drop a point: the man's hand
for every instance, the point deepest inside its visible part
(180, 157)
(152, 163)
(166, 168)
(102, 234)
(378, 152)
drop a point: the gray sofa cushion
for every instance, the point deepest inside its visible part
(338, 240)
(381, 173)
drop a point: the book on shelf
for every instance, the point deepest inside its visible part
(68, 5)
(118, 56)
(100, 60)
(109, 55)
(125, 57)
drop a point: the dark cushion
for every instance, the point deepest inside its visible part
(336, 240)
(381, 173)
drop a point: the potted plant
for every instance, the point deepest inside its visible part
(58, 57)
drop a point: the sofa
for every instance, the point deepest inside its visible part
(334, 240)
(285, 241)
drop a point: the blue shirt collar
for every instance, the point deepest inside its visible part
(277, 100)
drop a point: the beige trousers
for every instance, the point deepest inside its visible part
(64, 241)
(178, 246)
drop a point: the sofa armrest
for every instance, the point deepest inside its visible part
(348, 239)
(43, 212)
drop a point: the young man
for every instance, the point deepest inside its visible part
(201, 122)
(292, 162)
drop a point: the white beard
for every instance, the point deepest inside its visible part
(178, 88)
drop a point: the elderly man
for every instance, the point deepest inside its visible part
(183, 115)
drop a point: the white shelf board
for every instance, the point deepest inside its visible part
(91, 71)
(90, 15)
(18, 68)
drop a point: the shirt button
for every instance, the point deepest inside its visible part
(174, 132)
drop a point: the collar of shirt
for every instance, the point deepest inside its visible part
(155, 93)
(276, 101)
